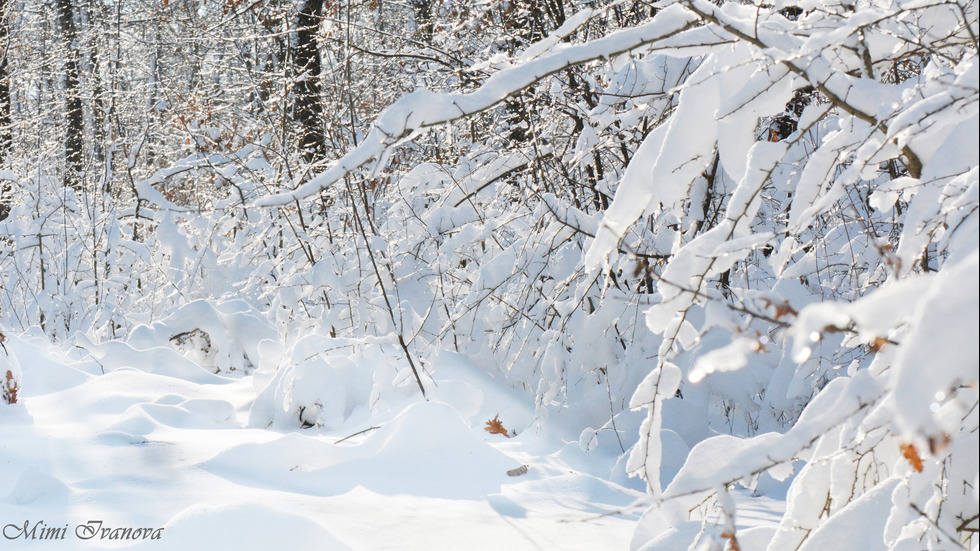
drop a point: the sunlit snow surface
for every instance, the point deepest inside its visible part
(158, 445)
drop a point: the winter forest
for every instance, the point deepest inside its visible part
(490, 274)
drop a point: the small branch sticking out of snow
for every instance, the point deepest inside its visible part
(369, 429)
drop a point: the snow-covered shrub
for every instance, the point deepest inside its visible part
(326, 382)
(801, 174)
(727, 228)
(844, 266)
(222, 336)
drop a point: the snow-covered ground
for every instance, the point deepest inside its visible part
(168, 445)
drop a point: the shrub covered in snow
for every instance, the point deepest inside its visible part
(318, 382)
(736, 243)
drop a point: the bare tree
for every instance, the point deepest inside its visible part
(306, 57)
(74, 124)
(5, 140)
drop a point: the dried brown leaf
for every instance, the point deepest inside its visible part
(10, 388)
(938, 444)
(877, 344)
(494, 426)
(732, 541)
(780, 309)
(912, 455)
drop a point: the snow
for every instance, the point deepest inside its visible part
(93, 438)
(934, 342)
(862, 527)
(708, 271)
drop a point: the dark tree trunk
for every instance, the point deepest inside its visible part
(424, 24)
(5, 137)
(74, 123)
(94, 15)
(306, 56)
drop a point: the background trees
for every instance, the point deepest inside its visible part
(664, 223)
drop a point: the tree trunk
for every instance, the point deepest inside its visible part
(307, 108)
(424, 23)
(74, 124)
(5, 137)
(94, 15)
